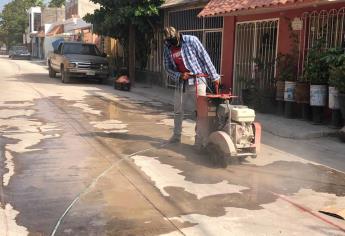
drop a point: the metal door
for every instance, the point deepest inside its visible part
(255, 54)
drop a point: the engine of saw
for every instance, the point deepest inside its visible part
(240, 127)
(230, 128)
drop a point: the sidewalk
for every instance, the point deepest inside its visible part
(276, 125)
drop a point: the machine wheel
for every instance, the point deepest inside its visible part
(52, 73)
(217, 157)
(65, 78)
(221, 148)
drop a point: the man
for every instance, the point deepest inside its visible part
(185, 61)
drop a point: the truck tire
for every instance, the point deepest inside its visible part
(65, 78)
(52, 73)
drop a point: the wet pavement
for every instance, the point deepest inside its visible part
(84, 159)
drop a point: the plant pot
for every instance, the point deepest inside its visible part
(289, 91)
(341, 99)
(302, 93)
(302, 99)
(289, 98)
(280, 85)
(280, 108)
(333, 98)
(305, 111)
(267, 103)
(318, 100)
(333, 104)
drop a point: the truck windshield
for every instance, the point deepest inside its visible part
(84, 49)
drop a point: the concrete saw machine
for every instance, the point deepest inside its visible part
(228, 132)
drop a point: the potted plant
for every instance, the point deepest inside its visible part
(287, 65)
(335, 59)
(287, 72)
(337, 80)
(303, 97)
(316, 70)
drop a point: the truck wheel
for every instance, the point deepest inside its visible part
(52, 73)
(65, 78)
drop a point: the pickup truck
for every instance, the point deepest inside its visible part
(76, 59)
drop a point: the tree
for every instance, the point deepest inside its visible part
(15, 19)
(56, 3)
(130, 21)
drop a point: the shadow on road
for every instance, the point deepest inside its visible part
(43, 78)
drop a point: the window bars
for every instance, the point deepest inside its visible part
(327, 25)
(255, 54)
(208, 30)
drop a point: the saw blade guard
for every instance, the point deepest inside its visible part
(223, 141)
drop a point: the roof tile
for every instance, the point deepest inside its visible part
(216, 7)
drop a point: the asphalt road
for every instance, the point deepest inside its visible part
(84, 159)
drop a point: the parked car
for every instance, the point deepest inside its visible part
(76, 59)
(19, 52)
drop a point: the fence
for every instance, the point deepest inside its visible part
(326, 25)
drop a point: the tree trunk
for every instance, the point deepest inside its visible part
(131, 56)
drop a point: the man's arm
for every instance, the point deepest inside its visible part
(205, 58)
(169, 67)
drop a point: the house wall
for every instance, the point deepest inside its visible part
(85, 7)
(284, 40)
(52, 15)
(79, 8)
(71, 8)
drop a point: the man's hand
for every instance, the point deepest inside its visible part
(216, 86)
(185, 75)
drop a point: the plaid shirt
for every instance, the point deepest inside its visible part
(194, 56)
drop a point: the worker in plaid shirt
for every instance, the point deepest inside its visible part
(184, 59)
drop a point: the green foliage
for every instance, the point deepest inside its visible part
(56, 3)
(287, 67)
(115, 16)
(14, 20)
(337, 71)
(287, 64)
(316, 68)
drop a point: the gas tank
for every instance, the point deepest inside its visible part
(242, 114)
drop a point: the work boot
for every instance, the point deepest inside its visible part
(175, 139)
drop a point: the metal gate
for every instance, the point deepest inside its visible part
(326, 25)
(255, 54)
(208, 30)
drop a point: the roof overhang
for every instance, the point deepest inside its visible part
(206, 12)
(180, 3)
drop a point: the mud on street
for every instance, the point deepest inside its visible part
(84, 159)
